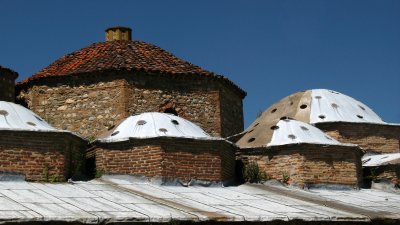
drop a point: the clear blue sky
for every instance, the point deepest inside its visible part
(269, 48)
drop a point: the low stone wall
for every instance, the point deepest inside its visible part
(41, 156)
(307, 164)
(378, 138)
(185, 159)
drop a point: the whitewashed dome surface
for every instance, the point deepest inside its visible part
(155, 124)
(320, 106)
(17, 117)
(292, 131)
(331, 106)
(285, 132)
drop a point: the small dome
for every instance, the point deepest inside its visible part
(154, 124)
(284, 132)
(17, 117)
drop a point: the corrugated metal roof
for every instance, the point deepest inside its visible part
(17, 117)
(380, 160)
(155, 124)
(123, 199)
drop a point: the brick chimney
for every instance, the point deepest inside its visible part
(118, 33)
(7, 84)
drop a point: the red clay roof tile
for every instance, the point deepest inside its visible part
(119, 55)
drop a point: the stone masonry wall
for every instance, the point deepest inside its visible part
(90, 104)
(309, 164)
(185, 159)
(41, 156)
(371, 137)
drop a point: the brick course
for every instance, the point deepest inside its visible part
(308, 164)
(89, 104)
(41, 156)
(185, 159)
(378, 138)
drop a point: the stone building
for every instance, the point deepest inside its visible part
(300, 154)
(165, 146)
(7, 84)
(340, 116)
(31, 148)
(91, 90)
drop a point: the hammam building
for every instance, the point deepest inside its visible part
(93, 89)
(123, 131)
(99, 93)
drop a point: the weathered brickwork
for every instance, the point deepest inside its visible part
(231, 113)
(306, 164)
(90, 104)
(371, 137)
(7, 84)
(41, 156)
(389, 173)
(185, 159)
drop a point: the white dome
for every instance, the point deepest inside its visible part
(332, 106)
(17, 117)
(291, 131)
(154, 124)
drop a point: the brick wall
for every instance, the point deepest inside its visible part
(371, 137)
(7, 84)
(389, 173)
(309, 164)
(231, 113)
(89, 104)
(41, 156)
(185, 159)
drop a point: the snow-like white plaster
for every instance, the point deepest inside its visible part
(380, 160)
(17, 117)
(154, 124)
(289, 131)
(332, 106)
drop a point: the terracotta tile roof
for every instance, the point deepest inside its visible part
(122, 55)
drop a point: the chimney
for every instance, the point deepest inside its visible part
(118, 33)
(7, 84)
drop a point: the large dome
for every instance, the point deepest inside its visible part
(17, 117)
(155, 124)
(320, 106)
(311, 106)
(122, 55)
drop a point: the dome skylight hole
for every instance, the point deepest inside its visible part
(275, 127)
(163, 130)
(141, 122)
(303, 106)
(292, 136)
(304, 128)
(3, 113)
